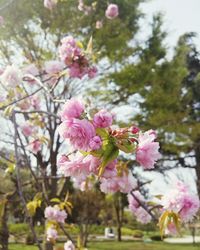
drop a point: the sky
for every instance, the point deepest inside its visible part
(180, 16)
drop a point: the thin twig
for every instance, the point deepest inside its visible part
(143, 206)
(21, 99)
(19, 182)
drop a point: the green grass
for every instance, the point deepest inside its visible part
(139, 246)
(122, 246)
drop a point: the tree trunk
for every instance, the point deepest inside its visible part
(117, 204)
(4, 232)
(53, 173)
(197, 168)
(119, 233)
(48, 246)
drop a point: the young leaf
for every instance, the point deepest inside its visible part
(110, 153)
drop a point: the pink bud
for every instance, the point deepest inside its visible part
(99, 24)
(50, 4)
(112, 11)
(1, 21)
(134, 130)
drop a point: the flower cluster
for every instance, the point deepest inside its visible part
(54, 215)
(99, 146)
(75, 58)
(181, 201)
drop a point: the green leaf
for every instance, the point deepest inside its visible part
(56, 200)
(38, 197)
(10, 169)
(8, 111)
(126, 146)
(103, 133)
(31, 207)
(110, 153)
(2, 206)
(89, 46)
(159, 196)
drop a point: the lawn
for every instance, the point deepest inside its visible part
(122, 246)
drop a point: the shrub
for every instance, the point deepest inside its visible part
(156, 237)
(138, 234)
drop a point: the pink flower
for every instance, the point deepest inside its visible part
(50, 4)
(142, 215)
(11, 76)
(31, 69)
(171, 229)
(72, 54)
(115, 184)
(82, 183)
(134, 205)
(180, 200)
(99, 24)
(69, 50)
(25, 104)
(27, 129)
(134, 130)
(69, 245)
(52, 234)
(79, 69)
(133, 202)
(81, 5)
(109, 185)
(62, 159)
(35, 146)
(112, 11)
(102, 119)
(35, 102)
(110, 170)
(72, 109)
(1, 21)
(75, 166)
(53, 67)
(79, 132)
(147, 151)
(95, 143)
(92, 72)
(55, 214)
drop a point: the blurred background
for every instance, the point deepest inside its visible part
(148, 74)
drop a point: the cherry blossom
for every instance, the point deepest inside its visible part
(55, 214)
(182, 201)
(52, 234)
(69, 245)
(11, 76)
(102, 119)
(72, 109)
(79, 132)
(112, 11)
(147, 150)
(50, 4)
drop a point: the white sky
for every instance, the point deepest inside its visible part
(180, 16)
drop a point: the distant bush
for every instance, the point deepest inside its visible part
(137, 234)
(127, 231)
(19, 228)
(156, 238)
(22, 228)
(29, 239)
